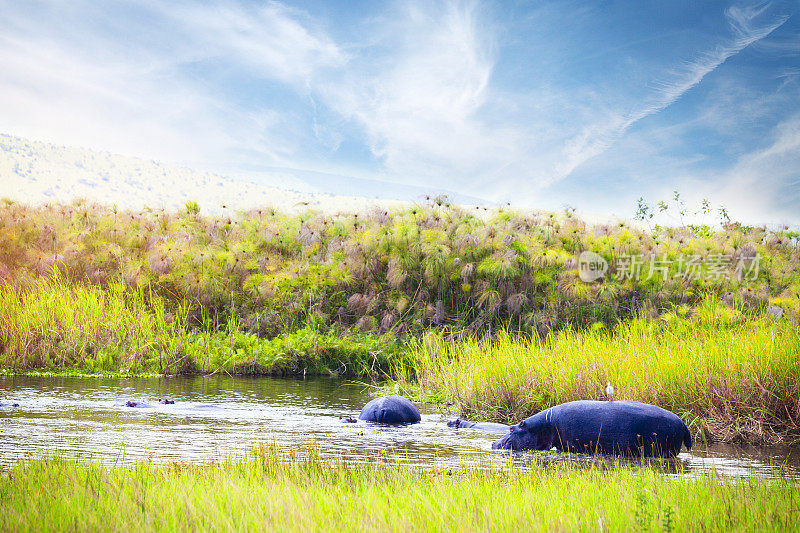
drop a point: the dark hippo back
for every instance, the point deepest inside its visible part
(620, 427)
(392, 409)
(587, 426)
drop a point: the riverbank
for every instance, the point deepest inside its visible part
(731, 377)
(302, 492)
(730, 380)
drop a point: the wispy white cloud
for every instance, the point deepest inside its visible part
(123, 79)
(265, 38)
(598, 137)
(764, 184)
(419, 102)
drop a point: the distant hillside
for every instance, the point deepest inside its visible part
(37, 172)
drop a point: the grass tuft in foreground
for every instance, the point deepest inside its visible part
(270, 492)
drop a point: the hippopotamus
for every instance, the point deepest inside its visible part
(483, 426)
(391, 409)
(145, 405)
(614, 427)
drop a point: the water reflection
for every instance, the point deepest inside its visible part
(214, 416)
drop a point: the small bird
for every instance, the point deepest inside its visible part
(609, 391)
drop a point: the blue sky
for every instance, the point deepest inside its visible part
(543, 104)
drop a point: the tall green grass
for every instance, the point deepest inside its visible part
(730, 379)
(52, 325)
(268, 492)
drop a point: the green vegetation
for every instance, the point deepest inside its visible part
(433, 266)
(485, 310)
(302, 492)
(55, 326)
(730, 379)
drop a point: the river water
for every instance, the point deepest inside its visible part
(213, 417)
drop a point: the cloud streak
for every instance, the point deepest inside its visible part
(745, 187)
(594, 141)
(419, 102)
(265, 39)
(75, 74)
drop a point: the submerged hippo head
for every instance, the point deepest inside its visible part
(534, 433)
